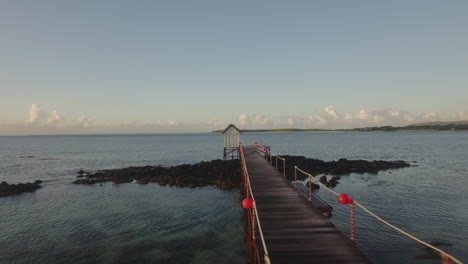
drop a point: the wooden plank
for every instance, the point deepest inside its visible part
(317, 202)
(294, 230)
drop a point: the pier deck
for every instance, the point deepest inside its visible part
(295, 232)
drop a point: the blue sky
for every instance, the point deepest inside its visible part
(185, 66)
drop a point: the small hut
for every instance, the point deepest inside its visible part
(231, 141)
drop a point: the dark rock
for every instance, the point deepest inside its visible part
(143, 180)
(84, 181)
(13, 189)
(323, 180)
(339, 167)
(333, 182)
(224, 174)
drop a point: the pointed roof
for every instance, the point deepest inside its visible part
(233, 126)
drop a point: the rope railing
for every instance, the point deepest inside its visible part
(344, 199)
(269, 156)
(254, 212)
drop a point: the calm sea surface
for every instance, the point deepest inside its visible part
(132, 223)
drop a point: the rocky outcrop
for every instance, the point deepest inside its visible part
(226, 174)
(13, 189)
(339, 167)
(223, 174)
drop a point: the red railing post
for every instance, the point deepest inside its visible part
(353, 240)
(254, 244)
(295, 176)
(284, 167)
(445, 259)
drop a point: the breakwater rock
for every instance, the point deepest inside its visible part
(224, 174)
(13, 189)
(339, 167)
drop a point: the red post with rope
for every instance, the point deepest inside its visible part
(254, 242)
(353, 240)
(445, 259)
(344, 199)
(284, 167)
(295, 176)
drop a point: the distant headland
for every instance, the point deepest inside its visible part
(429, 126)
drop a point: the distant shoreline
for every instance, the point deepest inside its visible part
(410, 128)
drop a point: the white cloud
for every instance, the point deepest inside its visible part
(172, 123)
(394, 112)
(462, 116)
(293, 122)
(362, 115)
(317, 120)
(55, 118)
(214, 124)
(40, 121)
(42, 118)
(255, 120)
(348, 117)
(330, 117)
(331, 111)
(244, 120)
(36, 115)
(431, 116)
(263, 121)
(85, 122)
(380, 117)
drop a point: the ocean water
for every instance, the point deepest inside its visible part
(132, 223)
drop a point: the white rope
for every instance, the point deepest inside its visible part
(407, 234)
(316, 181)
(266, 257)
(385, 222)
(272, 154)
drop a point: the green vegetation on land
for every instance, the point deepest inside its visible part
(431, 126)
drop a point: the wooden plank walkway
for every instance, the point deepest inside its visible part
(317, 202)
(294, 231)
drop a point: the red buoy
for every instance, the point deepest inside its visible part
(247, 203)
(344, 199)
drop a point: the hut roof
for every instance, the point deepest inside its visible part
(233, 126)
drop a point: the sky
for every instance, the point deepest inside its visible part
(96, 66)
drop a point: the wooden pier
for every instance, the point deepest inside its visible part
(294, 230)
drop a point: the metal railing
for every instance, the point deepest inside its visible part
(252, 217)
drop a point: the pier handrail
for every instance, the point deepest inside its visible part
(250, 193)
(271, 154)
(442, 253)
(446, 257)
